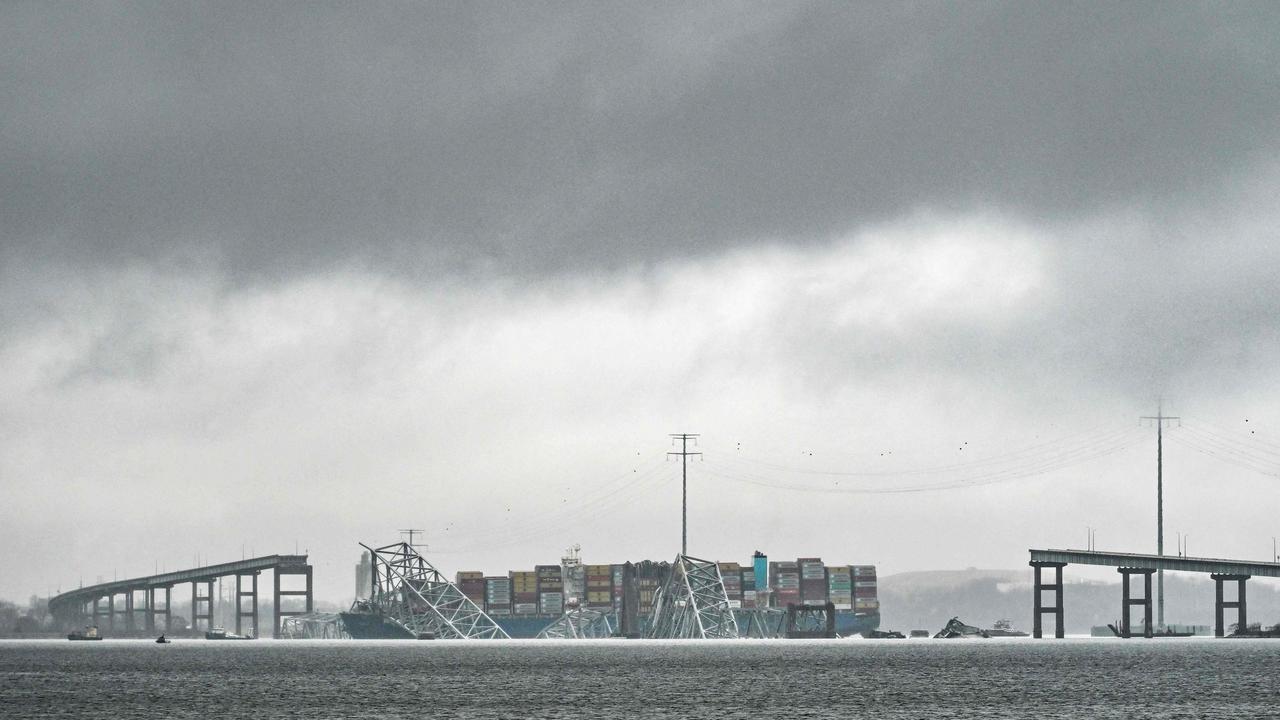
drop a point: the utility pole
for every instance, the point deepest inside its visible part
(684, 454)
(1160, 419)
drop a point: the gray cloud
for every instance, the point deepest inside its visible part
(439, 137)
(318, 267)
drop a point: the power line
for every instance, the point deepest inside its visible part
(1030, 452)
(684, 454)
(1011, 468)
(1117, 443)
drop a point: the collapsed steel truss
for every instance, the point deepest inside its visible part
(581, 624)
(411, 593)
(762, 622)
(692, 603)
(313, 626)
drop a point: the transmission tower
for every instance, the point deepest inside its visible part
(1160, 419)
(684, 454)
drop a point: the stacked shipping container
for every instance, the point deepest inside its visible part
(748, 587)
(550, 589)
(805, 581)
(786, 583)
(731, 573)
(864, 589)
(524, 590)
(813, 581)
(471, 583)
(599, 586)
(840, 587)
(497, 595)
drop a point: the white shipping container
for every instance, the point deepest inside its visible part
(526, 608)
(735, 603)
(842, 605)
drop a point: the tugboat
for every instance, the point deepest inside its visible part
(222, 634)
(90, 632)
(1004, 628)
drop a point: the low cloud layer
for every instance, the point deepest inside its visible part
(315, 274)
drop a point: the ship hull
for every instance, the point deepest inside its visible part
(372, 626)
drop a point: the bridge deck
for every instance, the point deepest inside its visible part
(73, 598)
(1158, 562)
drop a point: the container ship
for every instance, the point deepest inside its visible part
(524, 602)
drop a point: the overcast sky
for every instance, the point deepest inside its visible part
(307, 272)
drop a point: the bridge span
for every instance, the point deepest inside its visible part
(1129, 564)
(97, 603)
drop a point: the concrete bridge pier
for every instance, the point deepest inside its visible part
(280, 615)
(1126, 628)
(199, 613)
(128, 612)
(153, 611)
(252, 594)
(1240, 604)
(1040, 608)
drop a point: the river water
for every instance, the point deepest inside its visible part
(1007, 678)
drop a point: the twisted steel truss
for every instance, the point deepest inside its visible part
(581, 623)
(693, 603)
(762, 622)
(313, 626)
(411, 593)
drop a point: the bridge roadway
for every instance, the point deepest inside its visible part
(74, 607)
(1129, 564)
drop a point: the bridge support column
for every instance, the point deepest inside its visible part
(241, 594)
(97, 612)
(150, 612)
(168, 608)
(1040, 608)
(197, 600)
(1126, 628)
(280, 614)
(129, 624)
(1239, 604)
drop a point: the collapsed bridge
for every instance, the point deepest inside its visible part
(139, 608)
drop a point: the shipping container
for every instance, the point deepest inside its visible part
(525, 608)
(469, 575)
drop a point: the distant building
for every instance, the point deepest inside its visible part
(364, 576)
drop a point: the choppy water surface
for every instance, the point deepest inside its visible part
(636, 679)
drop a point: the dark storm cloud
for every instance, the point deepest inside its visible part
(279, 138)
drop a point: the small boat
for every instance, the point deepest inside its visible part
(883, 635)
(162, 640)
(90, 632)
(1004, 628)
(222, 634)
